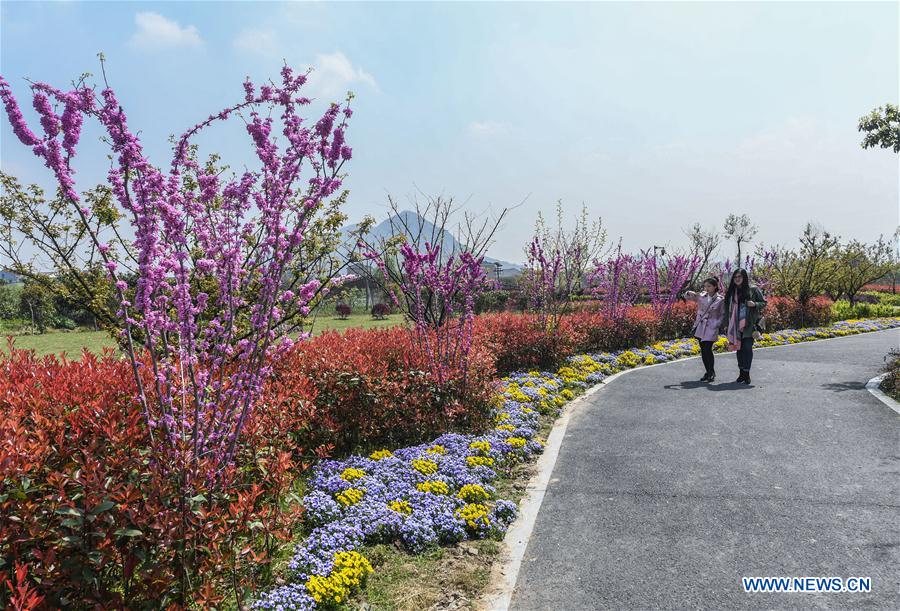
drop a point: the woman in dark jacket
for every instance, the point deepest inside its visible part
(743, 309)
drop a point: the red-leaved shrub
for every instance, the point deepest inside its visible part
(517, 341)
(98, 523)
(374, 389)
(343, 310)
(786, 313)
(380, 311)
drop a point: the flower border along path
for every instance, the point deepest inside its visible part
(442, 492)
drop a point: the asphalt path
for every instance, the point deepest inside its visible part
(667, 492)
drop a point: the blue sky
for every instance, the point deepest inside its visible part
(654, 115)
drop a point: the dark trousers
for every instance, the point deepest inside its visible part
(745, 354)
(706, 353)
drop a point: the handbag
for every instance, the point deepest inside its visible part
(760, 327)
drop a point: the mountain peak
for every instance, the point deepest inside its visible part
(413, 224)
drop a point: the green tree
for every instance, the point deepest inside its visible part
(741, 230)
(41, 233)
(9, 302)
(36, 304)
(857, 264)
(807, 272)
(881, 128)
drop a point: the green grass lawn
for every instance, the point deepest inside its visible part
(330, 322)
(73, 342)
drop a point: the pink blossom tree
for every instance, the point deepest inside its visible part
(666, 277)
(619, 280)
(214, 255)
(433, 276)
(546, 284)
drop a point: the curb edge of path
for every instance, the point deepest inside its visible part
(505, 572)
(873, 387)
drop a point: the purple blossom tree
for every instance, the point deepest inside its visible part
(558, 261)
(666, 279)
(214, 254)
(439, 296)
(619, 280)
(431, 275)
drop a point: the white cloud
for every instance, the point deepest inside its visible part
(486, 128)
(156, 32)
(260, 42)
(333, 74)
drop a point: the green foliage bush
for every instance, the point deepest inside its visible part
(492, 301)
(9, 301)
(890, 299)
(64, 322)
(842, 310)
(36, 305)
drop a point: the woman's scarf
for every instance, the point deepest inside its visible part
(736, 323)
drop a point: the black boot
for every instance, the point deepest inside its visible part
(741, 377)
(746, 377)
(705, 377)
(711, 378)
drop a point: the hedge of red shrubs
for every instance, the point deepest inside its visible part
(95, 522)
(374, 389)
(90, 520)
(785, 313)
(518, 342)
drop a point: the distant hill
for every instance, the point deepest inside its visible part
(8, 277)
(383, 231)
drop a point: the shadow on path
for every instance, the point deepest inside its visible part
(844, 386)
(715, 386)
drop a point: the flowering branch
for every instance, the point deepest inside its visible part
(665, 282)
(439, 295)
(619, 280)
(214, 255)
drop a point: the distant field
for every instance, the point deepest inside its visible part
(73, 342)
(332, 323)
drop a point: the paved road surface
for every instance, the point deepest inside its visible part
(666, 492)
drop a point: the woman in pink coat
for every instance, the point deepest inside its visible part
(710, 312)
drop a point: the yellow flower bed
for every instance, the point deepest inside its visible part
(481, 447)
(424, 466)
(350, 496)
(628, 359)
(516, 442)
(350, 569)
(351, 475)
(433, 486)
(401, 507)
(479, 461)
(475, 515)
(473, 493)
